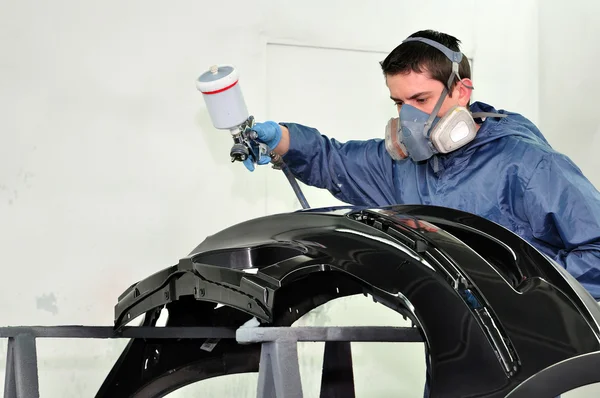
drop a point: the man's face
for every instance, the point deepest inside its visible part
(423, 92)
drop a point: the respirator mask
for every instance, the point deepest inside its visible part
(419, 135)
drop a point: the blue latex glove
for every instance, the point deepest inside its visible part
(269, 133)
(264, 159)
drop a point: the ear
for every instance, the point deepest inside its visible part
(463, 90)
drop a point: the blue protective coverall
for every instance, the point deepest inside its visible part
(508, 174)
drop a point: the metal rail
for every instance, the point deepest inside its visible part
(279, 373)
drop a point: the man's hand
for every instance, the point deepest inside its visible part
(275, 136)
(268, 133)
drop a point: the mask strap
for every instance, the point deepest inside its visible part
(454, 56)
(436, 164)
(487, 114)
(435, 111)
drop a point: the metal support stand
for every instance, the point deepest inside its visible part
(21, 376)
(337, 380)
(21, 368)
(279, 371)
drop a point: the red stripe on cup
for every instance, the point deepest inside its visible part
(220, 90)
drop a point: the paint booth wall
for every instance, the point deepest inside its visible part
(110, 169)
(569, 82)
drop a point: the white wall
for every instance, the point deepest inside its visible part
(569, 81)
(110, 168)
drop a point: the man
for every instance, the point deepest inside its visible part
(501, 168)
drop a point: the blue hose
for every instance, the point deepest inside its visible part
(279, 163)
(295, 187)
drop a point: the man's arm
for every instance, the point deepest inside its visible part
(563, 208)
(284, 144)
(356, 172)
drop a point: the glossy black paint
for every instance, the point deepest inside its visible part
(492, 310)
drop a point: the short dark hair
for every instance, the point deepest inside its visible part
(420, 57)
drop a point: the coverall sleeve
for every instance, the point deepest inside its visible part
(359, 173)
(563, 208)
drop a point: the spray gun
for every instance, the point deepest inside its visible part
(225, 103)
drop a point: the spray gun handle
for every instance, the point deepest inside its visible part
(246, 140)
(246, 143)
